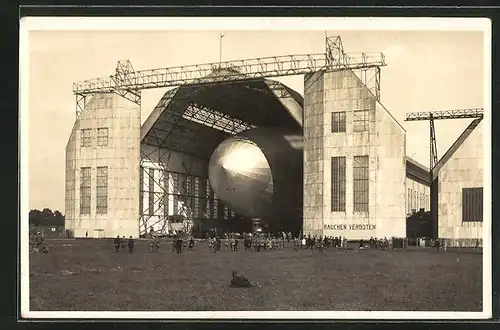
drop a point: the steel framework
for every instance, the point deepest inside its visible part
(436, 115)
(445, 114)
(128, 83)
(433, 157)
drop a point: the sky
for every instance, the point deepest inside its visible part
(426, 70)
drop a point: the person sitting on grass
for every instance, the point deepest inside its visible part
(239, 281)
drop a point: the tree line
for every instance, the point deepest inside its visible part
(46, 217)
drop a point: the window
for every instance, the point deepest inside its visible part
(210, 200)
(102, 137)
(86, 138)
(165, 194)
(472, 204)
(338, 184)
(361, 183)
(85, 192)
(196, 201)
(360, 120)
(408, 201)
(216, 207)
(338, 122)
(151, 192)
(141, 191)
(102, 190)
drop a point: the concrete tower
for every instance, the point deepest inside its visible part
(102, 169)
(354, 160)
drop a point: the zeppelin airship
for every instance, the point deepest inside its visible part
(258, 174)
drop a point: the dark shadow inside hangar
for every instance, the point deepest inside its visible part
(195, 119)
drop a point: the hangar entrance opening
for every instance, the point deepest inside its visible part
(190, 147)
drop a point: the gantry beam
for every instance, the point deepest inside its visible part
(446, 114)
(129, 83)
(265, 67)
(435, 115)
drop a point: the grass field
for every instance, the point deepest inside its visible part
(82, 275)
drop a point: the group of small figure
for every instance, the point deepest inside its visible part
(318, 242)
(121, 243)
(178, 244)
(264, 242)
(216, 243)
(36, 243)
(382, 244)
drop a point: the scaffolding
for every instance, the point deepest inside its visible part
(128, 83)
(437, 115)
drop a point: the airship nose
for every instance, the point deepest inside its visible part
(240, 176)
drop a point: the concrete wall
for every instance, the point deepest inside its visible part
(417, 196)
(121, 156)
(383, 143)
(159, 161)
(390, 175)
(314, 158)
(463, 170)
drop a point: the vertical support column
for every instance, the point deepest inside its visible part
(313, 153)
(433, 187)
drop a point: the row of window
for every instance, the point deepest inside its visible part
(416, 200)
(472, 204)
(181, 194)
(360, 121)
(101, 190)
(360, 184)
(87, 135)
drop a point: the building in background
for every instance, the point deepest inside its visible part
(458, 179)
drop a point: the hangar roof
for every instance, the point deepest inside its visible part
(417, 172)
(454, 147)
(194, 119)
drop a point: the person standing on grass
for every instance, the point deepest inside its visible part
(361, 244)
(385, 243)
(130, 244)
(86, 234)
(174, 244)
(117, 242)
(191, 243)
(179, 244)
(123, 243)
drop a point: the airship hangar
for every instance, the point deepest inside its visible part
(228, 148)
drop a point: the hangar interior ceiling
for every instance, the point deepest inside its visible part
(195, 119)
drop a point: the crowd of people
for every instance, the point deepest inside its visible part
(255, 242)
